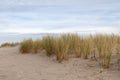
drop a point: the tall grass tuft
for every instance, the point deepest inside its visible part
(75, 44)
(26, 46)
(118, 44)
(48, 43)
(104, 45)
(98, 41)
(86, 47)
(37, 45)
(61, 48)
(107, 50)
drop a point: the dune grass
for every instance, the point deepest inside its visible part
(48, 43)
(118, 44)
(7, 44)
(74, 44)
(26, 46)
(67, 44)
(106, 51)
(86, 47)
(37, 45)
(61, 48)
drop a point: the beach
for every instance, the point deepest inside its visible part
(17, 66)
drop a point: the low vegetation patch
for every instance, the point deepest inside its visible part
(37, 45)
(48, 43)
(9, 44)
(26, 46)
(73, 44)
(61, 49)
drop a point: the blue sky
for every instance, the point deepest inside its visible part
(36, 16)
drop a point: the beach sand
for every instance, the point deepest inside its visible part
(17, 66)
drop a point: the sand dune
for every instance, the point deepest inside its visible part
(16, 66)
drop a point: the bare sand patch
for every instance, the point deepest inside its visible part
(16, 66)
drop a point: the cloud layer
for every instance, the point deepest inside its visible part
(35, 16)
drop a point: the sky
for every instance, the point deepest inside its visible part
(56, 16)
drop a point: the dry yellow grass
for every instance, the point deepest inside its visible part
(9, 44)
(37, 45)
(48, 43)
(26, 46)
(104, 44)
(86, 47)
(61, 49)
(74, 44)
(66, 44)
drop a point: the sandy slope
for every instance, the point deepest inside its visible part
(16, 66)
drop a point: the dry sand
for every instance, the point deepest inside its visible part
(16, 66)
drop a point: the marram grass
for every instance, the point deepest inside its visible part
(86, 47)
(48, 43)
(37, 45)
(74, 44)
(26, 46)
(104, 44)
(9, 44)
(65, 44)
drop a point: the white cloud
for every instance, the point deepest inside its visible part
(78, 15)
(86, 23)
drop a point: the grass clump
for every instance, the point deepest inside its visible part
(107, 52)
(5, 44)
(61, 48)
(37, 45)
(48, 43)
(104, 45)
(86, 47)
(9, 44)
(26, 46)
(118, 44)
(74, 44)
